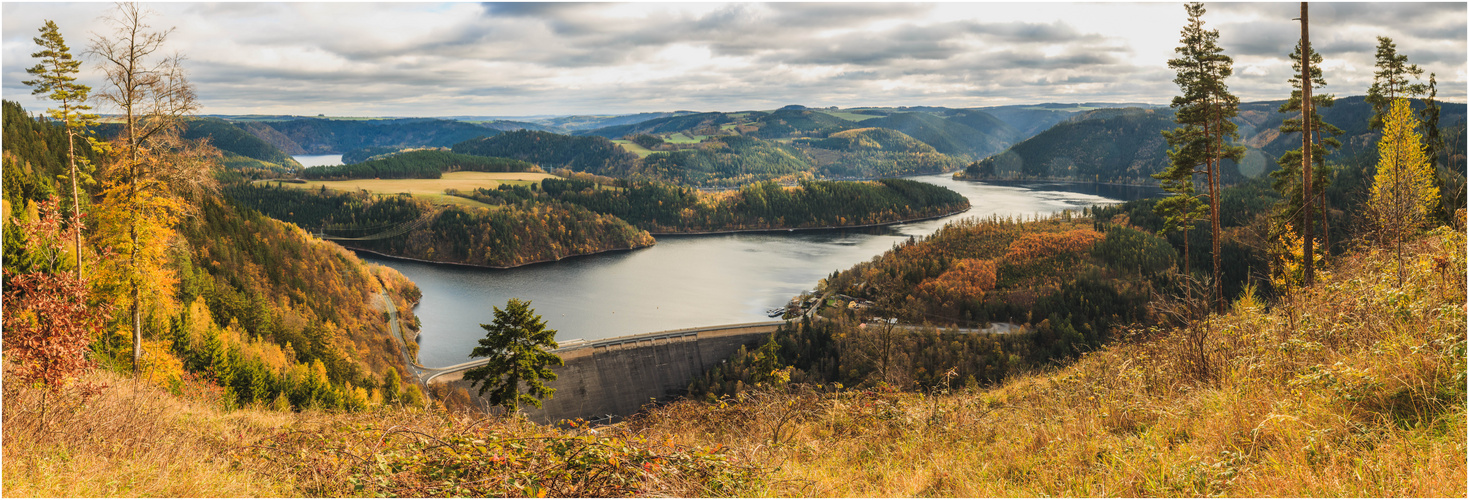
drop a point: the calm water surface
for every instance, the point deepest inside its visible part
(687, 281)
(318, 160)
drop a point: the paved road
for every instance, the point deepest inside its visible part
(397, 331)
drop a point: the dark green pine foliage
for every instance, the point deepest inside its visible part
(1287, 179)
(1433, 145)
(518, 347)
(1390, 81)
(1206, 134)
(592, 154)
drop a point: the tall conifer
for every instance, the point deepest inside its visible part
(1204, 110)
(1288, 180)
(56, 78)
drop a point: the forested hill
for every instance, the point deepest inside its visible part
(238, 145)
(952, 135)
(520, 231)
(326, 136)
(1124, 145)
(696, 123)
(237, 304)
(592, 154)
(1032, 119)
(1108, 145)
(665, 208)
(423, 164)
(1260, 125)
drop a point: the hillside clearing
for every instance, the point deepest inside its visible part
(633, 148)
(428, 189)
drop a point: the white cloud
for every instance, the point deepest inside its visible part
(421, 59)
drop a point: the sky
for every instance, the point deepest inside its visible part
(536, 59)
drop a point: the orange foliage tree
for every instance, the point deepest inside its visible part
(966, 280)
(48, 319)
(1032, 246)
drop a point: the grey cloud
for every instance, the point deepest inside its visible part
(1260, 38)
(825, 14)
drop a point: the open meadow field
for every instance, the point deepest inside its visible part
(429, 189)
(850, 116)
(633, 148)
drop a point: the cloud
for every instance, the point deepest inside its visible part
(512, 58)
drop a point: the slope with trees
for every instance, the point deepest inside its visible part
(1108, 145)
(968, 133)
(327, 136)
(420, 164)
(192, 295)
(519, 233)
(591, 154)
(666, 208)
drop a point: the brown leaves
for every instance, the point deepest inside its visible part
(48, 325)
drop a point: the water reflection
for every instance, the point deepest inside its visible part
(683, 281)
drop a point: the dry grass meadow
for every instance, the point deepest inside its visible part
(430, 189)
(1356, 391)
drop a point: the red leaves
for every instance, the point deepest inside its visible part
(48, 325)
(1042, 245)
(967, 279)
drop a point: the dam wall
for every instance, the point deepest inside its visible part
(616, 377)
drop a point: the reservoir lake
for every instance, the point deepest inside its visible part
(692, 281)
(309, 161)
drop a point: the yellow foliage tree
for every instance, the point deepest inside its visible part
(1403, 193)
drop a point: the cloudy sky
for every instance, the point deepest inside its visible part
(519, 59)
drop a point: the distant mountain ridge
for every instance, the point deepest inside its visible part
(1125, 145)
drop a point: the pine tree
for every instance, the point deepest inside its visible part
(518, 347)
(1288, 180)
(1403, 193)
(56, 78)
(1204, 111)
(1390, 81)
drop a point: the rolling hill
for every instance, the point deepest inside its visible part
(324, 136)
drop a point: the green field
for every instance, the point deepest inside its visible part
(431, 190)
(680, 138)
(850, 116)
(633, 148)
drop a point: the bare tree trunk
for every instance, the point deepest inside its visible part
(1308, 252)
(76, 204)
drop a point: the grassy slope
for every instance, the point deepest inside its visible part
(1363, 396)
(1360, 393)
(429, 189)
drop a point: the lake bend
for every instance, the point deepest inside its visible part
(691, 281)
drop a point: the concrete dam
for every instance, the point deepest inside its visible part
(615, 377)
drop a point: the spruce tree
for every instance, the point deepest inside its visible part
(1204, 111)
(518, 346)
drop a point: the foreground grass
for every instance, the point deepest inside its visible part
(1359, 393)
(1359, 390)
(130, 439)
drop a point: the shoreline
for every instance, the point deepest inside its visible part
(480, 266)
(1003, 182)
(819, 228)
(708, 233)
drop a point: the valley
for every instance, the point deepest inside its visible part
(483, 250)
